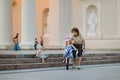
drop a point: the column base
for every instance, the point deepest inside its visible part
(26, 46)
(118, 36)
(6, 47)
(54, 47)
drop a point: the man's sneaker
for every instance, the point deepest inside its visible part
(78, 67)
(73, 67)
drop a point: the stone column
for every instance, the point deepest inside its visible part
(28, 24)
(59, 21)
(5, 24)
(118, 18)
(65, 19)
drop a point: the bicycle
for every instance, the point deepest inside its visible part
(68, 58)
(67, 61)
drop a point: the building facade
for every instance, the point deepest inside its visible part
(97, 20)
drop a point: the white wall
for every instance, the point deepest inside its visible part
(110, 23)
(118, 19)
(60, 21)
(109, 19)
(77, 14)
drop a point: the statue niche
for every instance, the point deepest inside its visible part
(91, 21)
(45, 22)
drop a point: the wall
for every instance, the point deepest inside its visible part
(109, 27)
(77, 14)
(16, 24)
(109, 18)
(40, 6)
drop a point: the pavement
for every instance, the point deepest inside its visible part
(87, 72)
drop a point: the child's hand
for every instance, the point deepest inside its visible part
(83, 50)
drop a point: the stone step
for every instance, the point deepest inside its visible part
(28, 61)
(100, 62)
(100, 58)
(51, 64)
(19, 60)
(30, 65)
(3, 56)
(59, 59)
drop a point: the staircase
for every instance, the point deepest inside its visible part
(28, 61)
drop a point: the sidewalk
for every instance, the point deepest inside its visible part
(91, 72)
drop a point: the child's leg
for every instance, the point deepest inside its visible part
(43, 60)
(64, 56)
(63, 61)
(71, 61)
(74, 58)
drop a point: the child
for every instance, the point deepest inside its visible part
(68, 49)
(35, 43)
(41, 41)
(39, 55)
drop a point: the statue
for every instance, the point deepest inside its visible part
(46, 23)
(92, 22)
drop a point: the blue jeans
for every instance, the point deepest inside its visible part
(16, 47)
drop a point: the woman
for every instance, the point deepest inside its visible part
(79, 43)
(16, 43)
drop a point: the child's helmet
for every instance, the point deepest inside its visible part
(67, 39)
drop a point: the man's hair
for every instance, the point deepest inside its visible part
(75, 30)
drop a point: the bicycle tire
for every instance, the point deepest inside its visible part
(67, 64)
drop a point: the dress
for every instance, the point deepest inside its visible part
(68, 51)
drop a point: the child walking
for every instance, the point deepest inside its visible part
(35, 43)
(41, 41)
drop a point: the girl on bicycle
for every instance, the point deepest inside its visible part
(68, 49)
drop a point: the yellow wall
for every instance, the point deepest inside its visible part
(40, 6)
(17, 18)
